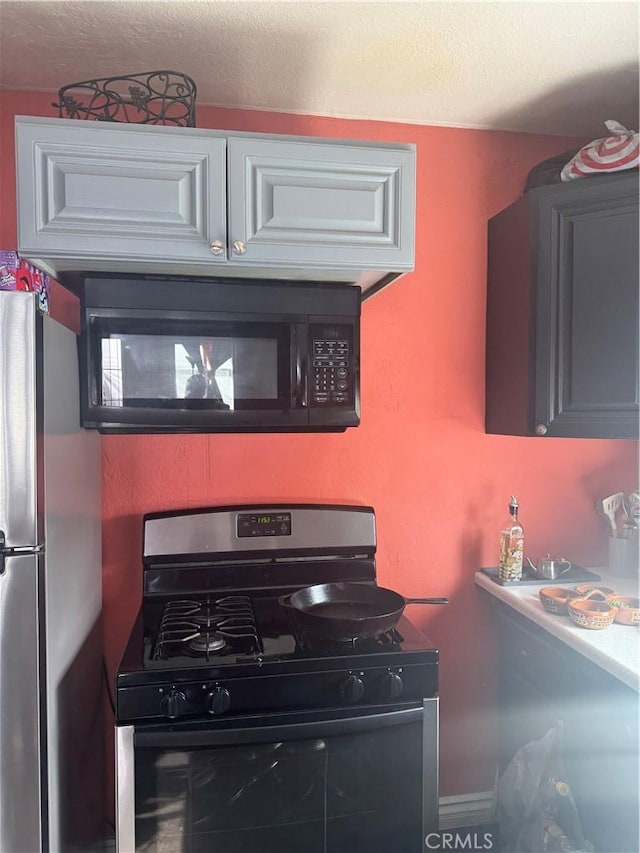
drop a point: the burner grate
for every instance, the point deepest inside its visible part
(207, 628)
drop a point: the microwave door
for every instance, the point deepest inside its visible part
(186, 375)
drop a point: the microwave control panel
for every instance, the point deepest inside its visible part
(332, 365)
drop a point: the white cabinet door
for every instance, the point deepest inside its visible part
(307, 204)
(90, 191)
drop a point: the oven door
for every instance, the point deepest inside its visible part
(340, 782)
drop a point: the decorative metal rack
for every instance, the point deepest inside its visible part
(150, 97)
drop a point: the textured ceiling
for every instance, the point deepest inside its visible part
(550, 67)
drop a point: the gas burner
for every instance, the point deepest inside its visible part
(206, 642)
(206, 627)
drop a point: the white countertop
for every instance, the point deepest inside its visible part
(616, 649)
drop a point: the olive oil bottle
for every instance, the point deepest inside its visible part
(511, 545)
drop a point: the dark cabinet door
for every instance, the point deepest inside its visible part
(562, 312)
(542, 682)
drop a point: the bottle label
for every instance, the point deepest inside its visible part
(511, 556)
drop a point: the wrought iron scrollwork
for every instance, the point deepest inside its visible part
(151, 97)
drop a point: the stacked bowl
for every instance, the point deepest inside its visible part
(589, 606)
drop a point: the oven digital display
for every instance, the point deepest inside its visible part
(251, 525)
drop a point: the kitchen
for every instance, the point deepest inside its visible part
(440, 485)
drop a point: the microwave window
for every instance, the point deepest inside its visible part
(168, 370)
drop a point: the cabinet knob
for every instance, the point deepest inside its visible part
(540, 429)
(238, 247)
(216, 247)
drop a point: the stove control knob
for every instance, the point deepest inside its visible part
(352, 689)
(392, 685)
(173, 704)
(218, 700)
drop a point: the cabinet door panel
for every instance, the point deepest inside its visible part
(587, 317)
(294, 203)
(526, 714)
(541, 682)
(610, 312)
(101, 193)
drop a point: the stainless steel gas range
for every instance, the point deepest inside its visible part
(237, 732)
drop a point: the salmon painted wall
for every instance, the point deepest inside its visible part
(440, 486)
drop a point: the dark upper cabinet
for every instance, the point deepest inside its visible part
(562, 311)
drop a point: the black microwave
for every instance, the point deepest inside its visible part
(169, 355)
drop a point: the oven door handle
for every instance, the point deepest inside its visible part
(176, 739)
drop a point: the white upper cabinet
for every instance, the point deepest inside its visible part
(301, 201)
(133, 198)
(97, 191)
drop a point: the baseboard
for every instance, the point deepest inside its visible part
(466, 810)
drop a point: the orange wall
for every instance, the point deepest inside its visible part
(440, 486)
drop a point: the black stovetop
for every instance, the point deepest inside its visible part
(265, 639)
(283, 672)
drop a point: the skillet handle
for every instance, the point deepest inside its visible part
(426, 601)
(285, 601)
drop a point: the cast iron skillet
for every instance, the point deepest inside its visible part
(347, 611)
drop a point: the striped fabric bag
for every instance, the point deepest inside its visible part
(612, 154)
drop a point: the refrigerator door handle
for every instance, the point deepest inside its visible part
(16, 551)
(4, 551)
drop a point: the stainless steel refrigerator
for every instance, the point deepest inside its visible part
(51, 745)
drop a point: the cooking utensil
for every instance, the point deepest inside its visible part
(608, 507)
(626, 508)
(549, 568)
(347, 611)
